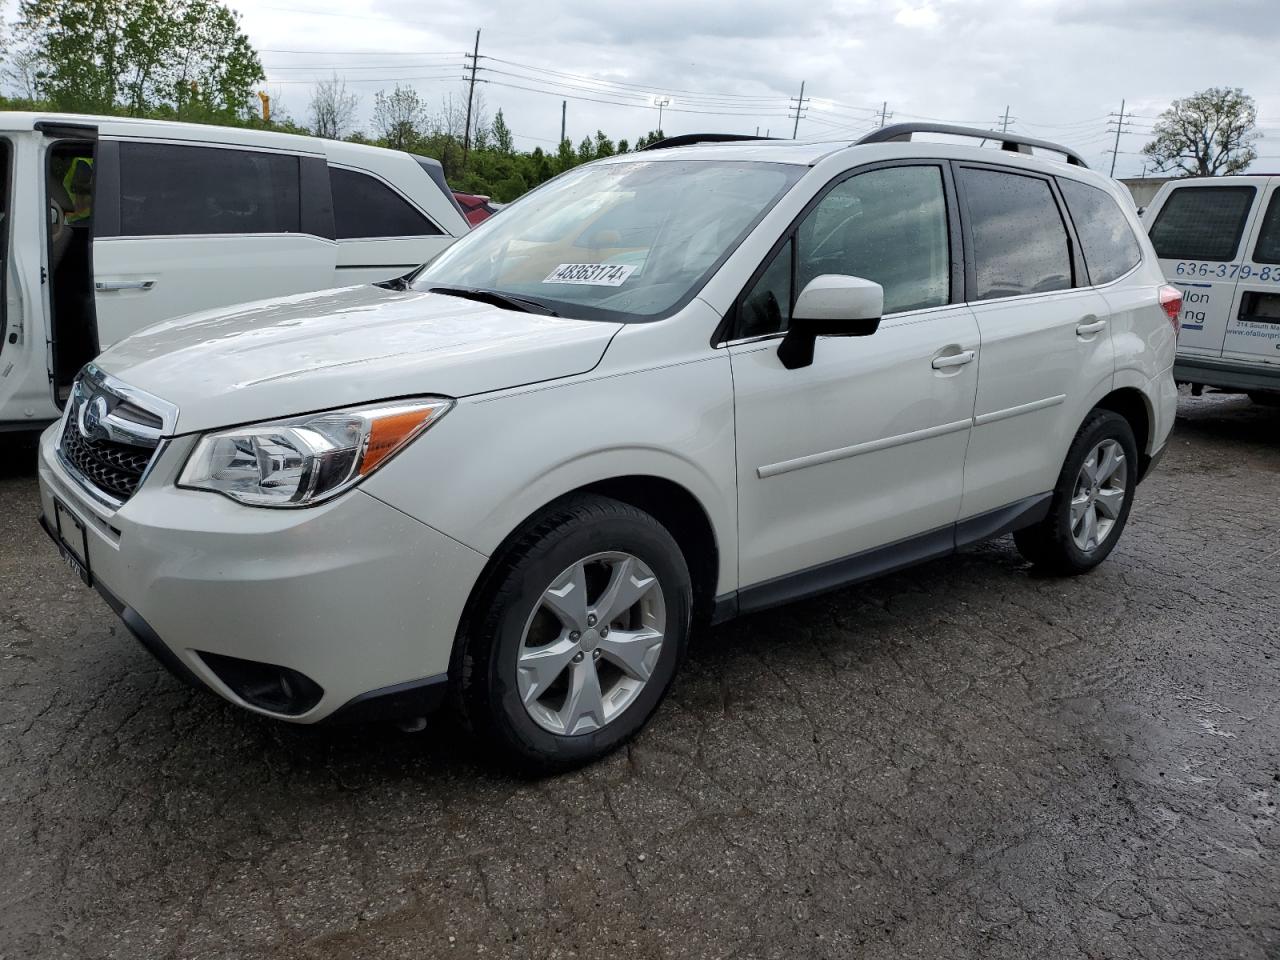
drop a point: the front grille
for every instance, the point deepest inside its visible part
(114, 468)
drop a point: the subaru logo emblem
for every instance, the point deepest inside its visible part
(92, 413)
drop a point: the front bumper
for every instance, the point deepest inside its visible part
(353, 595)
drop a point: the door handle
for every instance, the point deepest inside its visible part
(953, 360)
(106, 285)
(1088, 329)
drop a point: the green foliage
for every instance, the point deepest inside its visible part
(188, 60)
(1208, 134)
(179, 59)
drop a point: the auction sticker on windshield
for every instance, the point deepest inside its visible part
(596, 274)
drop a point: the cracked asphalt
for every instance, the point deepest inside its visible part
(959, 761)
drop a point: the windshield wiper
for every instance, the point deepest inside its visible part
(503, 300)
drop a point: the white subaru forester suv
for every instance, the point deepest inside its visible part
(665, 388)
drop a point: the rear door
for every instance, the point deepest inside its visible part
(1197, 232)
(183, 227)
(1046, 335)
(381, 233)
(1253, 326)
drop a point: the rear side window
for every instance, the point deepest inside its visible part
(1267, 249)
(1019, 240)
(364, 207)
(170, 190)
(1202, 223)
(1107, 241)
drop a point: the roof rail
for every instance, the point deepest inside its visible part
(687, 139)
(1013, 142)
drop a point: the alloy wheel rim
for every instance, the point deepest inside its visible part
(1099, 495)
(591, 643)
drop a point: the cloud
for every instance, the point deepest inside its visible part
(923, 16)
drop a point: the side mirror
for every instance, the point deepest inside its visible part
(830, 305)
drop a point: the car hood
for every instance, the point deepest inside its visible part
(290, 355)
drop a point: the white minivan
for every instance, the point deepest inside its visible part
(110, 224)
(1218, 240)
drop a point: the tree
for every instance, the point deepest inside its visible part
(503, 140)
(586, 150)
(103, 56)
(623, 146)
(565, 157)
(1208, 134)
(604, 146)
(399, 118)
(333, 109)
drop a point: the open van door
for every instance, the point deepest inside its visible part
(70, 193)
(190, 226)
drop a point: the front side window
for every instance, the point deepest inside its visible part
(1267, 249)
(1019, 240)
(888, 225)
(628, 241)
(1110, 249)
(364, 207)
(1202, 223)
(177, 190)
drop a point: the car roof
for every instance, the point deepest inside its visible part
(168, 129)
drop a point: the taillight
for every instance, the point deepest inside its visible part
(1171, 302)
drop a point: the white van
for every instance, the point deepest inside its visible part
(1218, 240)
(110, 224)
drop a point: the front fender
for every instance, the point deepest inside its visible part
(495, 460)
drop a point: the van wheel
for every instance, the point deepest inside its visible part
(1091, 501)
(576, 636)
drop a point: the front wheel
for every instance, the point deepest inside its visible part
(1091, 501)
(577, 634)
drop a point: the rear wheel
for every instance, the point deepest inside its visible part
(1091, 501)
(577, 635)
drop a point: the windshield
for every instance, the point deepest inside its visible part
(619, 241)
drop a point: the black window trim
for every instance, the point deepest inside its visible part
(399, 193)
(1078, 271)
(1243, 229)
(1142, 255)
(1264, 212)
(723, 335)
(112, 142)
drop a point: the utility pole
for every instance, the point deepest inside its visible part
(661, 102)
(884, 113)
(799, 107)
(1004, 123)
(471, 90)
(564, 105)
(1115, 151)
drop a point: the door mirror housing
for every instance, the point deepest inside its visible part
(830, 305)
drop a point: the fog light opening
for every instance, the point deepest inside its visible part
(265, 685)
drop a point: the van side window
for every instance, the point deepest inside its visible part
(1202, 223)
(1267, 249)
(1020, 242)
(1107, 241)
(170, 190)
(364, 206)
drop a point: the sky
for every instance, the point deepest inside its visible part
(1060, 67)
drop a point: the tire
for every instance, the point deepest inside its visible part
(513, 616)
(1265, 398)
(1052, 545)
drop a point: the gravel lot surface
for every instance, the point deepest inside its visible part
(959, 761)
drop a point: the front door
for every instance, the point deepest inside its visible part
(865, 447)
(1253, 327)
(1197, 233)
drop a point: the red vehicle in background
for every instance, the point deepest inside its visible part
(475, 208)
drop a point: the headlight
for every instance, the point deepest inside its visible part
(306, 460)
